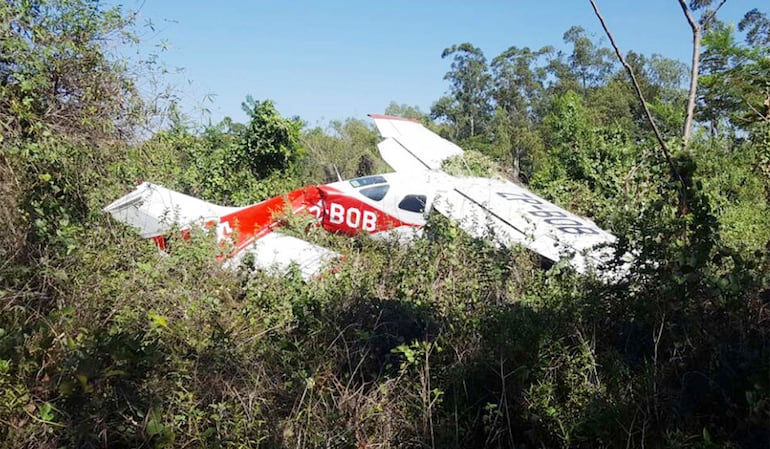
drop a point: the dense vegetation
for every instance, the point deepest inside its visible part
(446, 343)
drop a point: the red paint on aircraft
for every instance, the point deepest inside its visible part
(335, 211)
(349, 215)
(393, 117)
(255, 221)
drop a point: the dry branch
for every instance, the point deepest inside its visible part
(647, 112)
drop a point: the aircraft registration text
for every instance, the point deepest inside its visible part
(351, 217)
(560, 220)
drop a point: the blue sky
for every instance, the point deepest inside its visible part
(326, 60)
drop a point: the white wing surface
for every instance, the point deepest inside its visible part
(277, 252)
(510, 214)
(154, 210)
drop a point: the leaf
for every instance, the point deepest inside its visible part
(158, 320)
(46, 412)
(706, 436)
(84, 385)
(154, 427)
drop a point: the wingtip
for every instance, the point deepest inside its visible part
(392, 117)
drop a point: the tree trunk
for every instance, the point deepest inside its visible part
(696, 37)
(697, 32)
(516, 164)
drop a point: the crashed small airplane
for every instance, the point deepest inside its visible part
(391, 203)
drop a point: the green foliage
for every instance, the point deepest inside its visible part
(757, 27)
(228, 163)
(270, 142)
(406, 111)
(471, 163)
(448, 342)
(347, 149)
(52, 51)
(734, 85)
(736, 193)
(518, 92)
(588, 64)
(586, 167)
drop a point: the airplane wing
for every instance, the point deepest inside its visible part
(510, 214)
(156, 210)
(277, 252)
(506, 212)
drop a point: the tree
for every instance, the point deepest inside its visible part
(63, 104)
(239, 164)
(697, 33)
(735, 78)
(270, 142)
(345, 149)
(589, 63)
(55, 73)
(660, 81)
(518, 87)
(467, 107)
(406, 111)
(679, 170)
(756, 25)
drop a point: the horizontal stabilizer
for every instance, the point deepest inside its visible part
(155, 210)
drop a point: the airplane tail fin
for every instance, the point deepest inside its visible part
(155, 209)
(409, 147)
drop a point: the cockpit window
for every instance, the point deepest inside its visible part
(367, 181)
(413, 203)
(376, 193)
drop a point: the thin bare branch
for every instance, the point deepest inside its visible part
(712, 14)
(640, 95)
(690, 19)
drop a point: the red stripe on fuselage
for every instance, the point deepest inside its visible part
(160, 242)
(335, 211)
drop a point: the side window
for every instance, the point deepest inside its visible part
(376, 193)
(413, 203)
